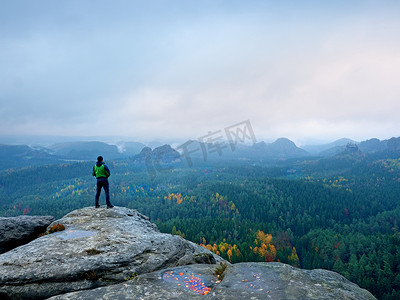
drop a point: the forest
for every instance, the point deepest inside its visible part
(340, 213)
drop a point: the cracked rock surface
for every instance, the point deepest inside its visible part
(241, 281)
(16, 231)
(98, 247)
(119, 254)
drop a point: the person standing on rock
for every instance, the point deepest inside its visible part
(102, 172)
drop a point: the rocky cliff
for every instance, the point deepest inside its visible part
(118, 254)
(16, 231)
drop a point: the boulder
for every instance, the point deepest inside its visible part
(119, 254)
(241, 281)
(98, 247)
(16, 231)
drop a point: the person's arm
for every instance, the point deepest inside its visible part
(107, 170)
(93, 172)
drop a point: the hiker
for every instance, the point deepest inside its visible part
(102, 172)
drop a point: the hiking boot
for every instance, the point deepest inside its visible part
(110, 206)
(97, 206)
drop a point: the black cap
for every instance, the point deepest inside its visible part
(99, 158)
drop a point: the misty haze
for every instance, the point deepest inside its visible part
(185, 149)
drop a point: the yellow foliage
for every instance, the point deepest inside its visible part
(266, 249)
(272, 249)
(260, 235)
(222, 248)
(294, 258)
(229, 253)
(263, 238)
(215, 248)
(173, 196)
(268, 239)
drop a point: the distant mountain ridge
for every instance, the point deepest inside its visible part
(375, 145)
(317, 149)
(369, 146)
(17, 156)
(281, 148)
(90, 150)
(12, 156)
(21, 155)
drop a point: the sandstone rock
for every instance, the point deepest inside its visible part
(102, 251)
(241, 281)
(16, 231)
(98, 247)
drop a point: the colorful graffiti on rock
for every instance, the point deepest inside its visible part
(188, 280)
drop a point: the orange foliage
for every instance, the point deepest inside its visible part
(266, 249)
(173, 196)
(222, 248)
(229, 253)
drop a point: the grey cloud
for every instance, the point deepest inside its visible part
(181, 68)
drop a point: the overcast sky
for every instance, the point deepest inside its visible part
(306, 70)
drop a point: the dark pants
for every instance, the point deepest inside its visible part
(103, 183)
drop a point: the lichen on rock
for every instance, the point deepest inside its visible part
(119, 254)
(126, 241)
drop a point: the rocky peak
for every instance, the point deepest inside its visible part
(98, 247)
(164, 154)
(241, 281)
(352, 148)
(16, 231)
(119, 254)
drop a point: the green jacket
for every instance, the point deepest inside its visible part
(100, 170)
